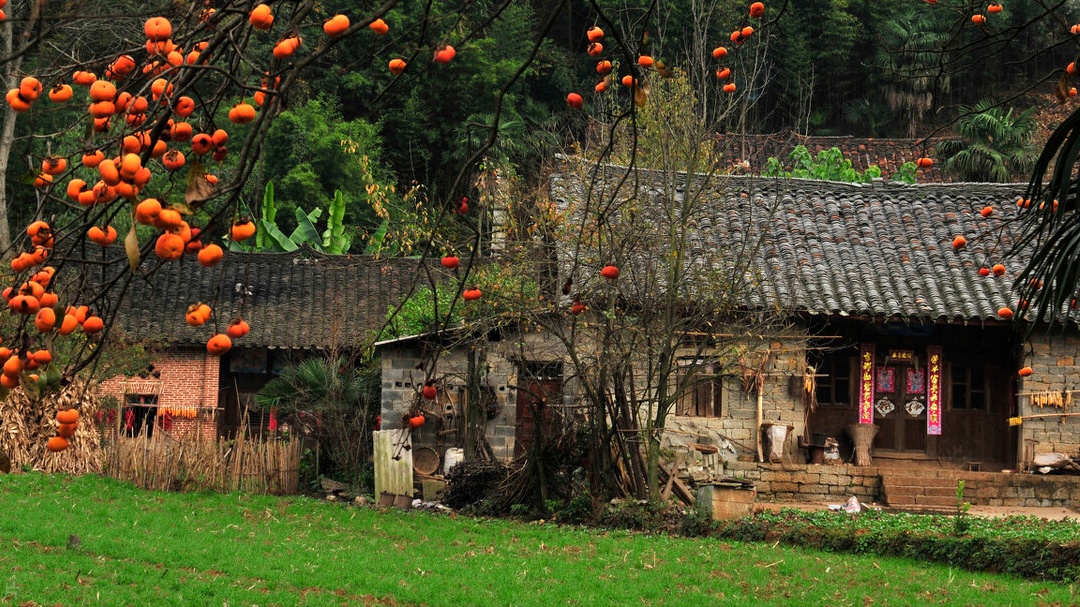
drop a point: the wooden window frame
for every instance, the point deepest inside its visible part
(826, 371)
(713, 383)
(967, 384)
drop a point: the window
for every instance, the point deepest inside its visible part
(701, 390)
(834, 380)
(968, 387)
(139, 412)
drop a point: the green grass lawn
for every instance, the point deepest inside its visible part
(150, 549)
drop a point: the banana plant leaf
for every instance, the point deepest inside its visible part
(334, 239)
(305, 232)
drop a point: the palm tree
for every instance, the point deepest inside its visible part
(994, 145)
(332, 400)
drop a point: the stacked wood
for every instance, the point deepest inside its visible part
(190, 462)
(26, 424)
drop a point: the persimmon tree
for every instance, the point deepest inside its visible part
(157, 141)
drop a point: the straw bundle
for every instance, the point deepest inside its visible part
(26, 424)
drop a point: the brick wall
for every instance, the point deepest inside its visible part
(189, 378)
(1055, 361)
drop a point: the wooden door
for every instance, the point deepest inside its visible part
(975, 423)
(534, 401)
(900, 409)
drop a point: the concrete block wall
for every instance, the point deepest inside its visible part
(1055, 360)
(189, 378)
(402, 382)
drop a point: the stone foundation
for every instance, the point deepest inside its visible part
(818, 483)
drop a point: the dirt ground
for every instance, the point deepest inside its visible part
(1055, 514)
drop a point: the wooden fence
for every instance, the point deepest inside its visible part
(191, 462)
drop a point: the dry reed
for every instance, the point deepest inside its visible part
(191, 462)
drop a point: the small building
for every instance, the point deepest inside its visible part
(297, 304)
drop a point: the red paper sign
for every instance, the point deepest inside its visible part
(866, 384)
(933, 390)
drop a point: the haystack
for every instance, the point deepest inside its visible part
(26, 424)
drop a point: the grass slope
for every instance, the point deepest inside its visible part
(147, 548)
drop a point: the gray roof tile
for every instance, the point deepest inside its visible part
(868, 249)
(297, 300)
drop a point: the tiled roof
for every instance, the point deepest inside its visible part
(887, 153)
(294, 300)
(878, 249)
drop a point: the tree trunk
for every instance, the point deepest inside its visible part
(7, 139)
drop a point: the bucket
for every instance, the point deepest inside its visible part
(452, 457)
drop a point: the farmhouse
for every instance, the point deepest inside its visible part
(296, 303)
(897, 355)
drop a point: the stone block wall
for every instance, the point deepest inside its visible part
(739, 410)
(189, 379)
(834, 484)
(1055, 360)
(811, 483)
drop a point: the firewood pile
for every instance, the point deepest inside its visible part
(27, 424)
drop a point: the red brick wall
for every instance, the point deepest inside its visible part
(189, 378)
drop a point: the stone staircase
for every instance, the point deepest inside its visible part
(917, 490)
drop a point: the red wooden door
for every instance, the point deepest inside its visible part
(534, 401)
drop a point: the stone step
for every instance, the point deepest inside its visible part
(911, 481)
(906, 491)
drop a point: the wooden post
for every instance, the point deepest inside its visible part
(757, 429)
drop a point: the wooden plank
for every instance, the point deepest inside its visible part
(392, 476)
(671, 477)
(678, 488)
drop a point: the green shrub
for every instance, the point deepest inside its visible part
(638, 515)
(1024, 546)
(577, 511)
(697, 522)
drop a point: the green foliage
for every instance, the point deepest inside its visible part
(577, 511)
(644, 515)
(961, 522)
(312, 152)
(910, 56)
(995, 144)
(417, 314)
(505, 292)
(1026, 546)
(270, 237)
(332, 400)
(829, 165)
